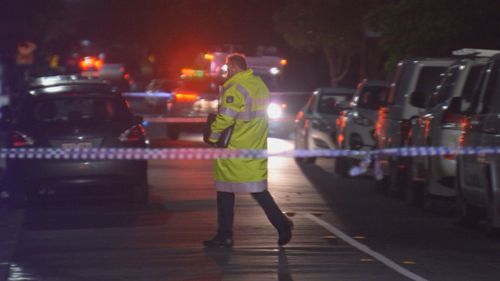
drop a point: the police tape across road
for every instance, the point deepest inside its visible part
(218, 153)
(367, 157)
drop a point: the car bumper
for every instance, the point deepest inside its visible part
(68, 174)
(322, 139)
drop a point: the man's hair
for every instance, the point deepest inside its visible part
(237, 60)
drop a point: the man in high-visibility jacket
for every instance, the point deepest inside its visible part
(244, 104)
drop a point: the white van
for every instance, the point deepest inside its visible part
(478, 181)
(433, 177)
(417, 77)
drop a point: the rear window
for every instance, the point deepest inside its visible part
(372, 97)
(470, 83)
(78, 110)
(428, 80)
(447, 85)
(491, 102)
(329, 103)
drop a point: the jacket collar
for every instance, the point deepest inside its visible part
(238, 77)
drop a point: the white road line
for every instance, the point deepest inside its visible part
(363, 248)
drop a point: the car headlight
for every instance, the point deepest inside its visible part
(274, 71)
(274, 111)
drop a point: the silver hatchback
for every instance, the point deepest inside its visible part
(315, 122)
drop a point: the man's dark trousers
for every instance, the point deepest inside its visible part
(225, 211)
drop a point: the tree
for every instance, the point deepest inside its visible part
(435, 28)
(334, 27)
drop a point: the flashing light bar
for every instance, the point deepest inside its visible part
(189, 72)
(208, 56)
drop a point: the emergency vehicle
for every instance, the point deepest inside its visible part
(264, 63)
(198, 90)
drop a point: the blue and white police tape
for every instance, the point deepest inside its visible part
(161, 95)
(103, 154)
(217, 153)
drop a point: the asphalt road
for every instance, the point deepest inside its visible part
(344, 230)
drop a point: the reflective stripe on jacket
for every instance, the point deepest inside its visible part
(243, 103)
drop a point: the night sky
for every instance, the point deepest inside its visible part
(174, 31)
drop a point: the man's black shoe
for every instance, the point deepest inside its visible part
(285, 234)
(218, 242)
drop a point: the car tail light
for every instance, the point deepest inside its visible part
(450, 156)
(88, 63)
(299, 116)
(341, 121)
(465, 124)
(135, 133)
(209, 57)
(340, 139)
(186, 96)
(405, 129)
(18, 139)
(451, 120)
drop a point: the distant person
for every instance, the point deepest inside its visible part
(243, 103)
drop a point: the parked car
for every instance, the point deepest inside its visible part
(433, 177)
(356, 126)
(419, 76)
(153, 101)
(192, 100)
(478, 184)
(72, 112)
(315, 122)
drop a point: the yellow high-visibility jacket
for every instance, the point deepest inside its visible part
(243, 103)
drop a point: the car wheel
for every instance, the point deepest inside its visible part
(469, 215)
(297, 146)
(429, 201)
(310, 160)
(139, 194)
(17, 199)
(173, 132)
(398, 177)
(413, 189)
(342, 166)
(492, 228)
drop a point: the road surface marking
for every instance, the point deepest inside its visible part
(365, 249)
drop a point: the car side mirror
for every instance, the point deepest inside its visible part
(138, 119)
(457, 105)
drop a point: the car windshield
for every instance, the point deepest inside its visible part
(77, 111)
(329, 103)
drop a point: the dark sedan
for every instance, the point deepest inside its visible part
(73, 112)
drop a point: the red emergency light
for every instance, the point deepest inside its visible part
(186, 96)
(89, 62)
